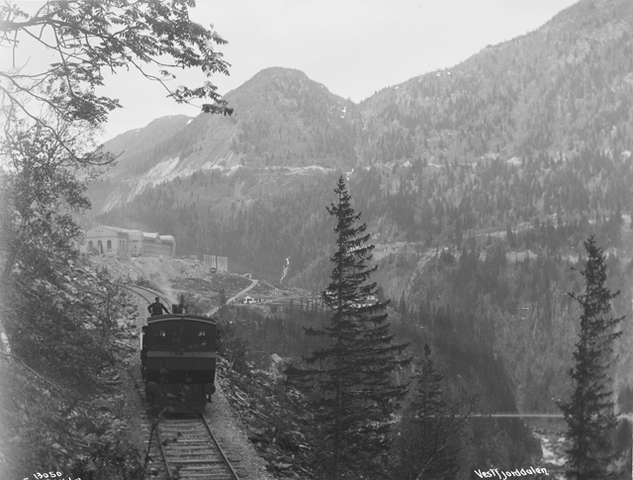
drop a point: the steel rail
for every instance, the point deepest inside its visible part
(217, 445)
(195, 419)
(162, 451)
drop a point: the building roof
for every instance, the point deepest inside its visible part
(133, 232)
(126, 231)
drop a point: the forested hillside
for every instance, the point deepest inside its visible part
(281, 211)
(285, 118)
(563, 88)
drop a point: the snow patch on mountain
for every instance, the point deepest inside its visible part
(111, 201)
(160, 173)
(308, 170)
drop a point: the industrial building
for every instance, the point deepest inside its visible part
(123, 242)
(216, 263)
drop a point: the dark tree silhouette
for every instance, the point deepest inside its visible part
(428, 444)
(590, 412)
(355, 393)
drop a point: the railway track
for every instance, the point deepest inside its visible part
(182, 447)
(189, 449)
(147, 293)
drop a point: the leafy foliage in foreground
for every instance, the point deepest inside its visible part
(51, 301)
(46, 425)
(60, 318)
(61, 321)
(86, 39)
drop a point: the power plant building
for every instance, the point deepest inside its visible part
(216, 263)
(123, 242)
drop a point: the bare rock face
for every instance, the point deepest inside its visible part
(281, 118)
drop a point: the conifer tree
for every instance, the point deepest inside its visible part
(428, 441)
(589, 413)
(354, 394)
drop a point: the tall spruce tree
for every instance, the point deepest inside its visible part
(590, 412)
(355, 393)
(428, 441)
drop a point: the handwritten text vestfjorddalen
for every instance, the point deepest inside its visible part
(503, 474)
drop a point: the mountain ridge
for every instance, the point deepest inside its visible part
(282, 118)
(556, 90)
(515, 97)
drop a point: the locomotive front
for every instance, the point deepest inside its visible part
(178, 361)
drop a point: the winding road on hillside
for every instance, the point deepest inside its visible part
(235, 297)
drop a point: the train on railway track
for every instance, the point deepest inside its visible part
(178, 360)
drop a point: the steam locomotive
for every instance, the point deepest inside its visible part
(178, 354)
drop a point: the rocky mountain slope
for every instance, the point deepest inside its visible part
(282, 118)
(558, 90)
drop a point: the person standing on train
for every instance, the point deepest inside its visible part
(157, 308)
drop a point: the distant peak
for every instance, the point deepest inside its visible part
(280, 71)
(168, 119)
(277, 78)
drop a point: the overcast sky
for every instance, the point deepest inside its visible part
(354, 47)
